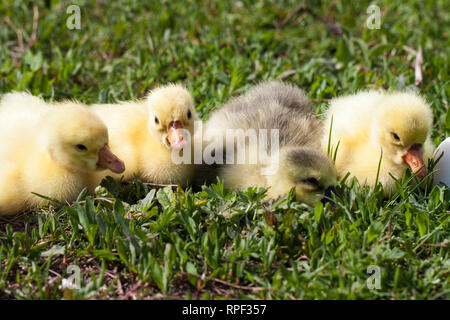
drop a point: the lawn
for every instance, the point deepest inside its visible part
(136, 241)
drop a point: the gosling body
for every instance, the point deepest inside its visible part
(143, 134)
(375, 128)
(297, 162)
(40, 151)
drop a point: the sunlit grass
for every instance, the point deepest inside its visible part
(134, 241)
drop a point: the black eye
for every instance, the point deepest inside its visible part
(81, 147)
(189, 114)
(312, 181)
(156, 120)
(395, 136)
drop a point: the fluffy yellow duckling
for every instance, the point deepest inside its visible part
(49, 149)
(144, 134)
(292, 159)
(370, 123)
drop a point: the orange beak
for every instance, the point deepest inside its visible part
(414, 159)
(175, 137)
(108, 160)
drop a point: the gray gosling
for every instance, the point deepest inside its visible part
(297, 162)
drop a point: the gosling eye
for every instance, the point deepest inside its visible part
(189, 114)
(156, 120)
(81, 147)
(395, 136)
(313, 182)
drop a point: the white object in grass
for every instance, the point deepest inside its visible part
(67, 284)
(443, 166)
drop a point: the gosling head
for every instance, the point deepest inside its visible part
(171, 115)
(77, 139)
(309, 170)
(400, 128)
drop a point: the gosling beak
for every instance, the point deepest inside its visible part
(414, 159)
(108, 160)
(175, 137)
(328, 196)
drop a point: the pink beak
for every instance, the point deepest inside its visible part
(414, 159)
(108, 160)
(175, 137)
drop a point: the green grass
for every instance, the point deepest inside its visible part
(131, 241)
